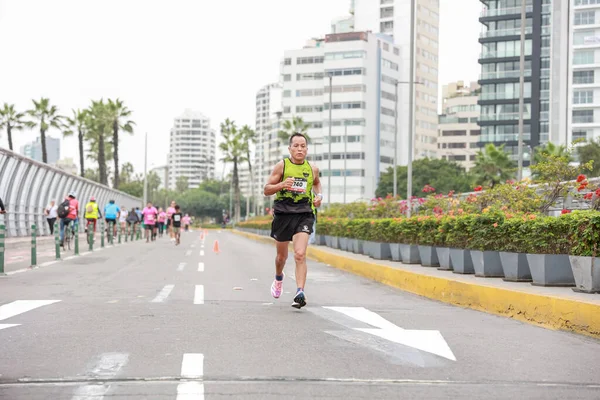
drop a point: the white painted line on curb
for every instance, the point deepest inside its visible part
(68, 258)
(199, 294)
(48, 263)
(108, 366)
(181, 267)
(192, 367)
(86, 253)
(18, 271)
(22, 306)
(164, 293)
(201, 253)
(200, 267)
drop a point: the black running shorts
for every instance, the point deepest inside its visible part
(285, 226)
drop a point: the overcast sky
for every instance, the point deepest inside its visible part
(161, 57)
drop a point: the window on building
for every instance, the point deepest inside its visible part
(583, 116)
(287, 61)
(579, 134)
(346, 106)
(457, 145)
(343, 55)
(286, 110)
(457, 158)
(387, 26)
(396, 51)
(389, 64)
(583, 57)
(308, 109)
(583, 77)
(346, 71)
(309, 92)
(454, 133)
(473, 145)
(287, 93)
(583, 96)
(346, 88)
(310, 60)
(388, 96)
(388, 112)
(585, 17)
(309, 76)
(463, 120)
(287, 77)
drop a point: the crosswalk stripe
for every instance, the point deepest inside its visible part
(200, 267)
(199, 294)
(22, 306)
(164, 293)
(192, 367)
(107, 366)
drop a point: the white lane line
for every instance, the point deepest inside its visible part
(164, 293)
(181, 267)
(188, 253)
(200, 267)
(202, 245)
(193, 246)
(4, 326)
(201, 252)
(199, 294)
(192, 367)
(21, 306)
(108, 366)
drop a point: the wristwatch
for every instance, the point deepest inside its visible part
(320, 195)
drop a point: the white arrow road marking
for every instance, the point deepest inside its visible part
(425, 340)
(199, 294)
(4, 326)
(192, 367)
(200, 267)
(21, 306)
(181, 267)
(107, 366)
(163, 294)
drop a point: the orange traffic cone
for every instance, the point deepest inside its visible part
(216, 247)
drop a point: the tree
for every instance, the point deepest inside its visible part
(248, 139)
(92, 175)
(118, 112)
(215, 186)
(126, 175)
(443, 175)
(590, 152)
(12, 121)
(542, 152)
(78, 123)
(493, 166)
(296, 125)
(99, 125)
(233, 150)
(182, 184)
(45, 116)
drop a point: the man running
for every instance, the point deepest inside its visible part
(150, 215)
(177, 218)
(170, 212)
(293, 181)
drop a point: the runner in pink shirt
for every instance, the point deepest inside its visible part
(170, 212)
(150, 215)
(162, 217)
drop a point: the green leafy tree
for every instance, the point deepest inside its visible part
(11, 120)
(234, 153)
(127, 171)
(590, 152)
(182, 184)
(249, 138)
(92, 175)
(493, 166)
(99, 125)
(215, 186)
(295, 125)
(443, 175)
(118, 115)
(542, 152)
(77, 123)
(45, 116)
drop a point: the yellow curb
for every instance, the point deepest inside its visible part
(546, 311)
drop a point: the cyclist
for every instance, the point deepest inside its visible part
(111, 213)
(92, 213)
(68, 212)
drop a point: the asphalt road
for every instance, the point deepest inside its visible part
(156, 321)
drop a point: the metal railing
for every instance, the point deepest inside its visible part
(27, 187)
(486, 12)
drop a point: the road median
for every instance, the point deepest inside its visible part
(552, 308)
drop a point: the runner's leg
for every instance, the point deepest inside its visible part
(280, 259)
(300, 241)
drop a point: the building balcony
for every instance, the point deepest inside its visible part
(501, 54)
(503, 74)
(500, 96)
(486, 12)
(505, 32)
(503, 117)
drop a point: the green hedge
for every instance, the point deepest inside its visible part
(576, 233)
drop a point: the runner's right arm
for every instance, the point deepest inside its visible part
(274, 183)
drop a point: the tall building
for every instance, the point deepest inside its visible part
(393, 17)
(191, 149)
(458, 130)
(67, 165)
(363, 68)
(163, 174)
(585, 68)
(33, 149)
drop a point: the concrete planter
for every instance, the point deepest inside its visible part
(395, 251)
(551, 270)
(343, 243)
(515, 267)
(335, 242)
(355, 246)
(319, 240)
(380, 251)
(410, 254)
(443, 254)
(587, 275)
(461, 261)
(328, 240)
(487, 264)
(428, 255)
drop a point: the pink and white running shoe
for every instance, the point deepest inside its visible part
(277, 287)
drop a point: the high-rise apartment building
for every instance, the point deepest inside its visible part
(393, 17)
(33, 149)
(363, 68)
(458, 130)
(191, 149)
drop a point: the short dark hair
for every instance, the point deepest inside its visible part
(176, 207)
(297, 134)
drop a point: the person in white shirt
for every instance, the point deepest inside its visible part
(51, 214)
(123, 218)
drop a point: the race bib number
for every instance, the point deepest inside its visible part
(177, 218)
(299, 185)
(150, 217)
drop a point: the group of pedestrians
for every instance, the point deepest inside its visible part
(157, 221)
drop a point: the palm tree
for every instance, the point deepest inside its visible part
(45, 116)
(493, 166)
(118, 112)
(11, 120)
(99, 124)
(249, 138)
(78, 123)
(233, 150)
(542, 152)
(296, 125)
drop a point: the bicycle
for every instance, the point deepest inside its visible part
(69, 234)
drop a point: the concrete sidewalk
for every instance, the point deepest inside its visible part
(553, 308)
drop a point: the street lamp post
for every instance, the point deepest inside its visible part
(396, 144)
(330, 122)
(411, 107)
(521, 88)
(345, 156)
(145, 169)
